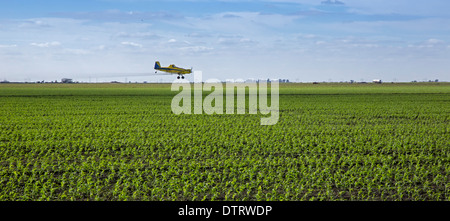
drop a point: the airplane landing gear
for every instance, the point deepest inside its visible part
(182, 77)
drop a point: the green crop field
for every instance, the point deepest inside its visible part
(122, 142)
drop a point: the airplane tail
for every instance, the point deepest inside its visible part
(157, 65)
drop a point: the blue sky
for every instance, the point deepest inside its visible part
(303, 40)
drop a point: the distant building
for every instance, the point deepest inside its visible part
(283, 80)
(377, 81)
(279, 80)
(66, 80)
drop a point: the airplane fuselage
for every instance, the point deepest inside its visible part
(172, 69)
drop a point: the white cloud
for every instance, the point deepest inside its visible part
(118, 15)
(306, 36)
(46, 44)
(197, 49)
(334, 2)
(133, 44)
(430, 43)
(138, 35)
(8, 46)
(434, 41)
(77, 51)
(320, 42)
(34, 23)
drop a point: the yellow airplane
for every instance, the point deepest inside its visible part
(172, 69)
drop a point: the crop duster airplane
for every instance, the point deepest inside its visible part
(172, 69)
